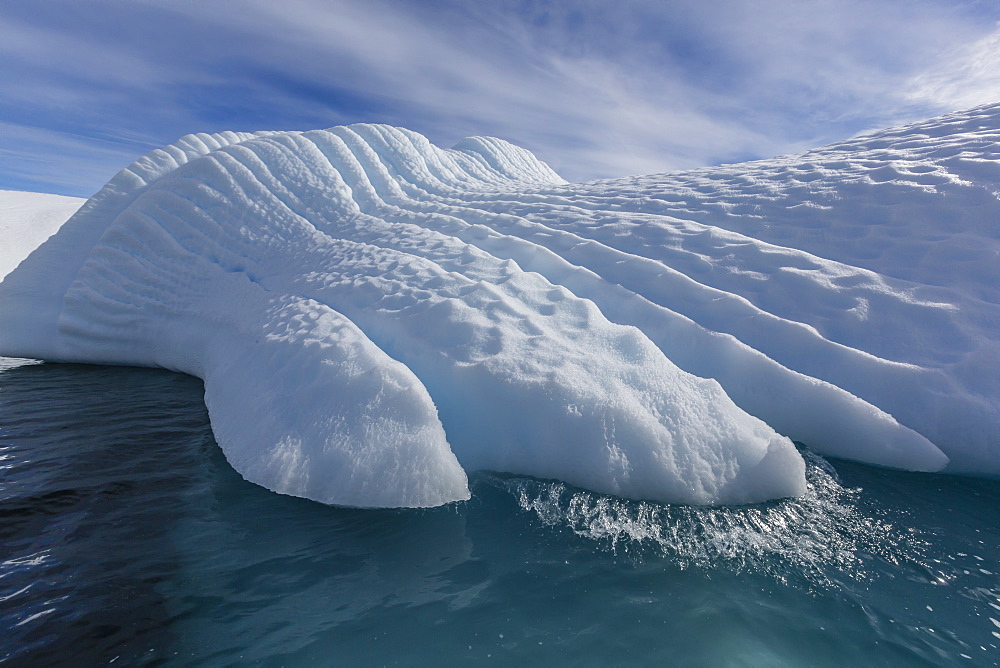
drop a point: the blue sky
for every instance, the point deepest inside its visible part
(597, 89)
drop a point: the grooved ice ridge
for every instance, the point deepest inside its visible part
(372, 315)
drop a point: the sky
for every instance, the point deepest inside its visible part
(596, 89)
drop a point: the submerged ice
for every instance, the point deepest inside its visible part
(373, 316)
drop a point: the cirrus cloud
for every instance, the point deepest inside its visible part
(595, 90)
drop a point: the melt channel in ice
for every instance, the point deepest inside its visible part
(373, 315)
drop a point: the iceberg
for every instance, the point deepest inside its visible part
(373, 316)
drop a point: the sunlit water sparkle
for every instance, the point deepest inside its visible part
(125, 537)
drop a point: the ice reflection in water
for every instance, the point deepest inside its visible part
(124, 533)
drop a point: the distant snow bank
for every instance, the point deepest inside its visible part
(28, 219)
(373, 315)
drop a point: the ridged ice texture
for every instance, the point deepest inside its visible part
(315, 283)
(339, 309)
(364, 307)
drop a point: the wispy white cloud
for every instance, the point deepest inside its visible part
(45, 160)
(967, 75)
(594, 88)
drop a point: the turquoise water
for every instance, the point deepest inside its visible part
(125, 537)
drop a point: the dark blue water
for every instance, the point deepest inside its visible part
(125, 537)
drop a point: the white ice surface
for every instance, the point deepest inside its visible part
(371, 314)
(28, 219)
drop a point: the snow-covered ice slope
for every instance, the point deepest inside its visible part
(873, 264)
(372, 314)
(28, 219)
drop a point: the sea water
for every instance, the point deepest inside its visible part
(125, 537)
